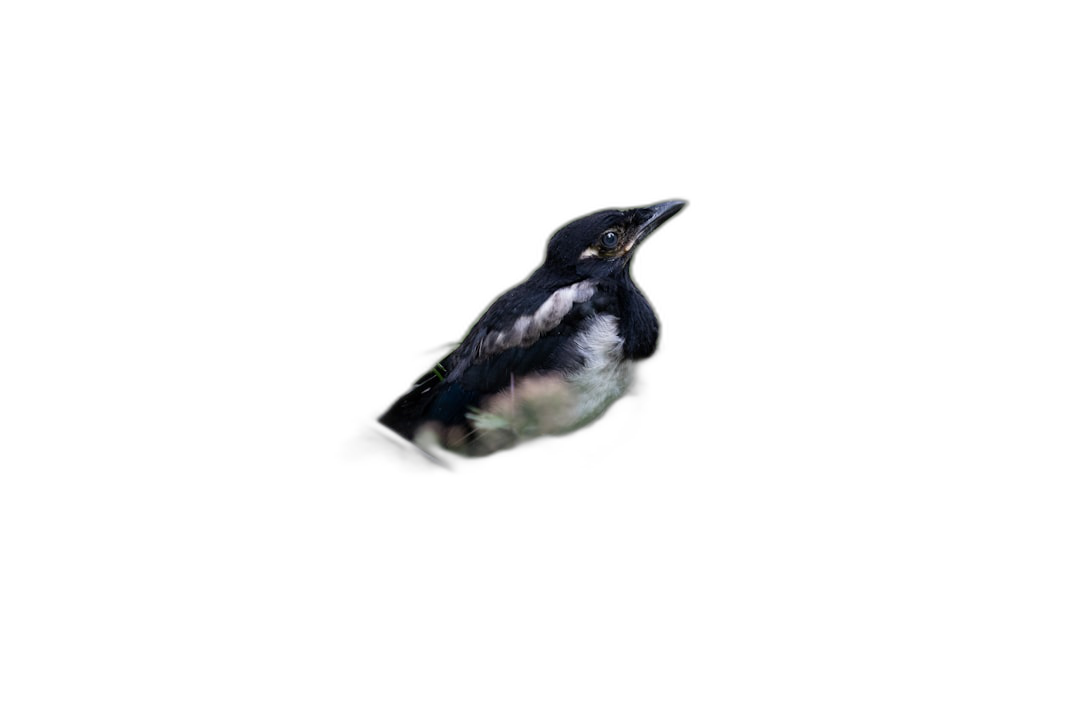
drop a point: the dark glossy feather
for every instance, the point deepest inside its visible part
(464, 378)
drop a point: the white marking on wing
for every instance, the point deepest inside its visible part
(528, 328)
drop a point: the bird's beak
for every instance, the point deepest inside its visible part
(654, 216)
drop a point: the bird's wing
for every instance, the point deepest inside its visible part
(522, 330)
(519, 335)
(514, 339)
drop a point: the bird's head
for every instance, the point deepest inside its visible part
(602, 244)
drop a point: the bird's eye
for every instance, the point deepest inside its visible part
(609, 240)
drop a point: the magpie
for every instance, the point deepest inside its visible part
(550, 354)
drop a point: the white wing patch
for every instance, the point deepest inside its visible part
(528, 328)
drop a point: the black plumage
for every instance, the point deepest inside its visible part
(550, 354)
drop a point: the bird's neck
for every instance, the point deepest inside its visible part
(560, 275)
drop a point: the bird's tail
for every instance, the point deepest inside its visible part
(411, 410)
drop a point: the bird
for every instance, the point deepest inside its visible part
(549, 355)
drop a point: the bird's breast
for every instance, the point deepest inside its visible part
(604, 374)
(557, 402)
